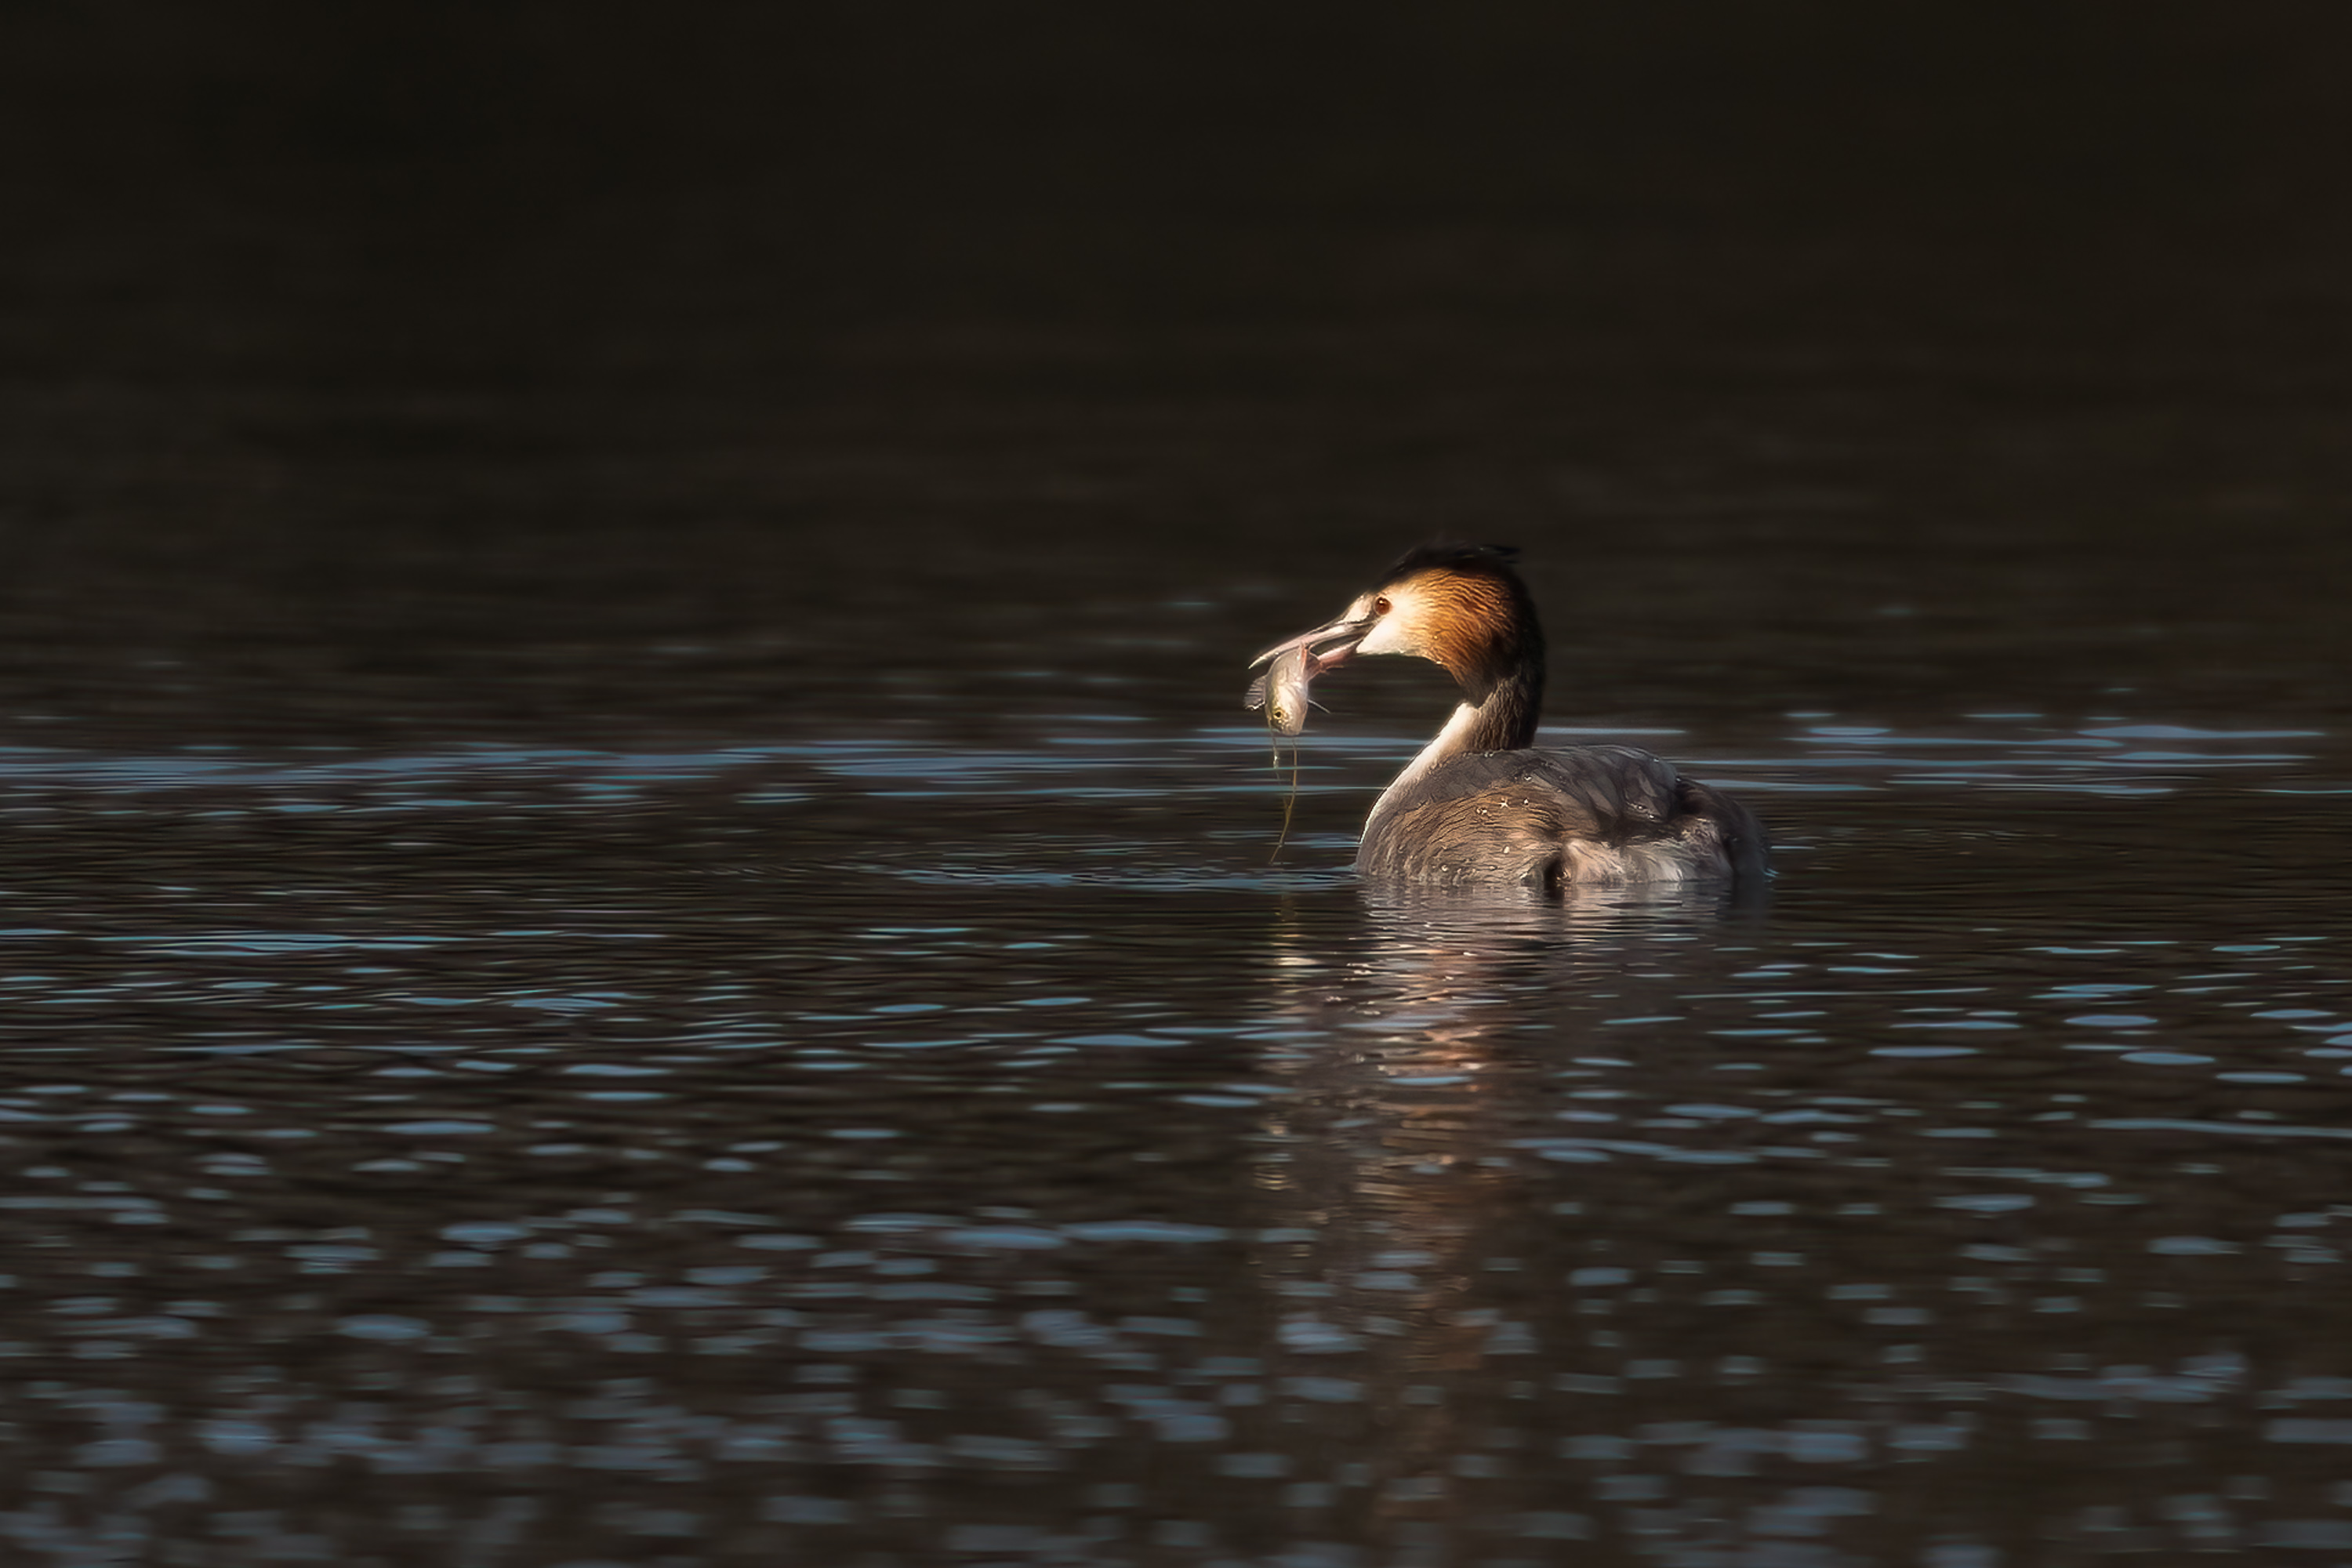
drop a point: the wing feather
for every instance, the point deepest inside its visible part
(1603, 814)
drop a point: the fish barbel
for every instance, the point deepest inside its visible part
(1281, 691)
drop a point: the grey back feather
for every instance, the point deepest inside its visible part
(1593, 814)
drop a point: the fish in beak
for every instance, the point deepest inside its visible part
(1325, 647)
(1292, 667)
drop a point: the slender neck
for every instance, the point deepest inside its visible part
(1502, 720)
(1504, 712)
(1502, 686)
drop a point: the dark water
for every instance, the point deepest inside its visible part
(636, 906)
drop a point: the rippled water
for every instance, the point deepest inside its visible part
(850, 1146)
(639, 923)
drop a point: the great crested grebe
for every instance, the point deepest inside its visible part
(1478, 805)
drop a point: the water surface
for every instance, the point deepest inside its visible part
(887, 1145)
(638, 922)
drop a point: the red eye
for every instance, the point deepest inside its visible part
(1380, 604)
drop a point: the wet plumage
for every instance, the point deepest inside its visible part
(1479, 804)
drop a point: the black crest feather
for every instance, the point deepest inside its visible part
(1491, 560)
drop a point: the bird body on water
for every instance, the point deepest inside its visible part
(1479, 804)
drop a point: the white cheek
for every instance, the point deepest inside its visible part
(1382, 638)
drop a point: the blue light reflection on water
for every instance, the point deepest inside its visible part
(1397, 1088)
(1042, 1150)
(1867, 757)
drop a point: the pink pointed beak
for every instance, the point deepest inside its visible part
(1344, 635)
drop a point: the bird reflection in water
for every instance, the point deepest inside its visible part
(1426, 1048)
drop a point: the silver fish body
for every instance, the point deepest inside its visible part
(1281, 691)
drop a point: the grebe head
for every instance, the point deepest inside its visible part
(1460, 606)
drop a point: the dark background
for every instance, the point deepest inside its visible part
(622, 634)
(529, 189)
(464, 369)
